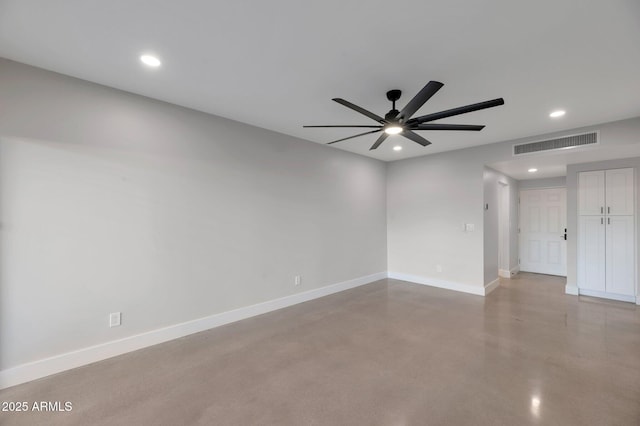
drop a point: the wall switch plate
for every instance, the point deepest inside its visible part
(469, 227)
(114, 319)
(297, 279)
(438, 268)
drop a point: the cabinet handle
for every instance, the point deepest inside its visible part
(609, 220)
(608, 210)
(601, 221)
(601, 210)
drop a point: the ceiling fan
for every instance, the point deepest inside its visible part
(400, 122)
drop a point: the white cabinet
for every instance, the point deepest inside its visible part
(606, 233)
(591, 193)
(619, 192)
(591, 253)
(607, 192)
(620, 255)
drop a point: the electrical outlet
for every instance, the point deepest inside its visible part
(296, 280)
(114, 319)
(438, 268)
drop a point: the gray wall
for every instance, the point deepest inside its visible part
(572, 209)
(430, 198)
(115, 202)
(553, 182)
(429, 201)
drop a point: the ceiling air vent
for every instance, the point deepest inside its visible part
(555, 144)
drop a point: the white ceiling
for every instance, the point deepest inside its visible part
(277, 64)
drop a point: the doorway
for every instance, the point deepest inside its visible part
(504, 230)
(543, 223)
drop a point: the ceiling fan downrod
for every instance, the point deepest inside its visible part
(393, 96)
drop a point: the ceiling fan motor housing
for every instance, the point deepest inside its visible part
(394, 95)
(391, 115)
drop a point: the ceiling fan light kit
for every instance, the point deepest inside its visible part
(393, 130)
(401, 122)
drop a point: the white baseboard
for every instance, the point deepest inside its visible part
(488, 288)
(571, 289)
(449, 285)
(45, 367)
(604, 295)
(503, 273)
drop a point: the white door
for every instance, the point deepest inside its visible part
(591, 253)
(619, 190)
(591, 193)
(543, 220)
(620, 255)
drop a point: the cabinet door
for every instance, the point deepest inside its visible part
(619, 190)
(620, 255)
(591, 253)
(591, 193)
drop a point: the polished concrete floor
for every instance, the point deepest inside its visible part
(389, 353)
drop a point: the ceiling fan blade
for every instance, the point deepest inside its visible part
(379, 141)
(418, 100)
(348, 125)
(457, 111)
(360, 110)
(355, 136)
(446, 127)
(415, 137)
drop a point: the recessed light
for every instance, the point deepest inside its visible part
(393, 130)
(532, 170)
(152, 61)
(558, 113)
(397, 148)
